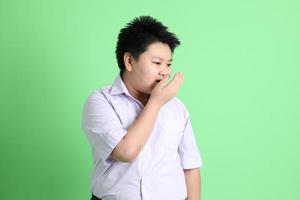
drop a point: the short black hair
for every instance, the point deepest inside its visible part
(138, 34)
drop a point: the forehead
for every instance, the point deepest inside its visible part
(159, 51)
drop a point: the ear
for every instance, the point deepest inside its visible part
(128, 61)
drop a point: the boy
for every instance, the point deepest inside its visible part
(141, 135)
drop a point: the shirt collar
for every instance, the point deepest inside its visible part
(119, 86)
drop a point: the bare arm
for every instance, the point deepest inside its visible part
(193, 183)
(138, 133)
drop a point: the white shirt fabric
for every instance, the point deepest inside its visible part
(157, 172)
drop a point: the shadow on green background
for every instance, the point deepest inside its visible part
(242, 88)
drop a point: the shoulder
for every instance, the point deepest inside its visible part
(99, 93)
(178, 106)
(98, 100)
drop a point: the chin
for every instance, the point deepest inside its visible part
(150, 89)
(148, 92)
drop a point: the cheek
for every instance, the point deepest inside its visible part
(150, 73)
(145, 79)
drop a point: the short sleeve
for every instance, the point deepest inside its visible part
(101, 125)
(189, 153)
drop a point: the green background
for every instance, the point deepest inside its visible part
(241, 64)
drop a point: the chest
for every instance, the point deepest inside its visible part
(168, 128)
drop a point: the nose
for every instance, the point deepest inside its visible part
(164, 71)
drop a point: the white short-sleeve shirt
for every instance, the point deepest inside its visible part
(157, 172)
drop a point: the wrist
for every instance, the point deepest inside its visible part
(153, 104)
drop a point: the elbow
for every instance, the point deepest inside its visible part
(127, 156)
(123, 154)
(129, 159)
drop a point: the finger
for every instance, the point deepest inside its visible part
(176, 78)
(176, 81)
(163, 81)
(181, 78)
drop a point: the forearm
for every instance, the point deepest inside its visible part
(139, 132)
(193, 183)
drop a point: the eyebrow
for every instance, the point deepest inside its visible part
(160, 58)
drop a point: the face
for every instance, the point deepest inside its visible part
(150, 67)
